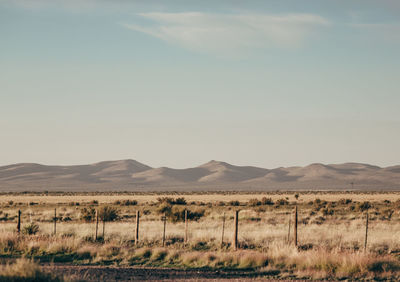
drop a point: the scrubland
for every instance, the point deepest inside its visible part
(331, 232)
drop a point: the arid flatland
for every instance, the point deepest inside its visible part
(331, 233)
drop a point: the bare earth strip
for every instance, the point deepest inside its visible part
(113, 273)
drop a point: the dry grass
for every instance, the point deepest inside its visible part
(201, 197)
(25, 270)
(331, 243)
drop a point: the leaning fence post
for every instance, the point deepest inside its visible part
(366, 232)
(186, 226)
(97, 224)
(235, 233)
(137, 228)
(295, 226)
(19, 222)
(164, 218)
(223, 230)
(288, 235)
(55, 221)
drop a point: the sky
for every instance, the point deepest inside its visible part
(178, 83)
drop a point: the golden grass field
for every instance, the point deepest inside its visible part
(331, 232)
(205, 197)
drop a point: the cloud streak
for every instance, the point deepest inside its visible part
(224, 33)
(387, 31)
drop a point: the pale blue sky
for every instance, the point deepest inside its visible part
(177, 83)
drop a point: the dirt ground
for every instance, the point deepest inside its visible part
(113, 273)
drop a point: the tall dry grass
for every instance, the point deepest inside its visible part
(25, 270)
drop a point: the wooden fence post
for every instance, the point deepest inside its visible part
(137, 228)
(97, 223)
(186, 226)
(288, 235)
(235, 233)
(104, 226)
(55, 221)
(223, 230)
(19, 222)
(164, 218)
(295, 226)
(366, 232)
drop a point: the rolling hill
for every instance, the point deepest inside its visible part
(130, 175)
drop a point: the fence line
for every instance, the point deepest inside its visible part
(235, 240)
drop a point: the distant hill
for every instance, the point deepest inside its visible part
(130, 175)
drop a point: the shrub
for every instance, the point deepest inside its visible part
(31, 229)
(234, 203)
(88, 214)
(176, 213)
(327, 211)
(126, 202)
(388, 214)
(363, 206)
(180, 201)
(254, 202)
(345, 201)
(267, 201)
(172, 201)
(282, 202)
(164, 208)
(108, 213)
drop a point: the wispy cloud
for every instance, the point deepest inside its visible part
(390, 31)
(224, 33)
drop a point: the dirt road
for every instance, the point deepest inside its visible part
(113, 273)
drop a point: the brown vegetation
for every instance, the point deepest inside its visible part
(330, 234)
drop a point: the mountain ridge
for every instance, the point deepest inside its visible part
(132, 175)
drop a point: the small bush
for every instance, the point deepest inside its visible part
(282, 202)
(171, 201)
(108, 213)
(31, 229)
(87, 214)
(327, 211)
(267, 201)
(345, 201)
(126, 202)
(180, 201)
(176, 213)
(254, 202)
(363, 206)
(164, 208)
(234, 203)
